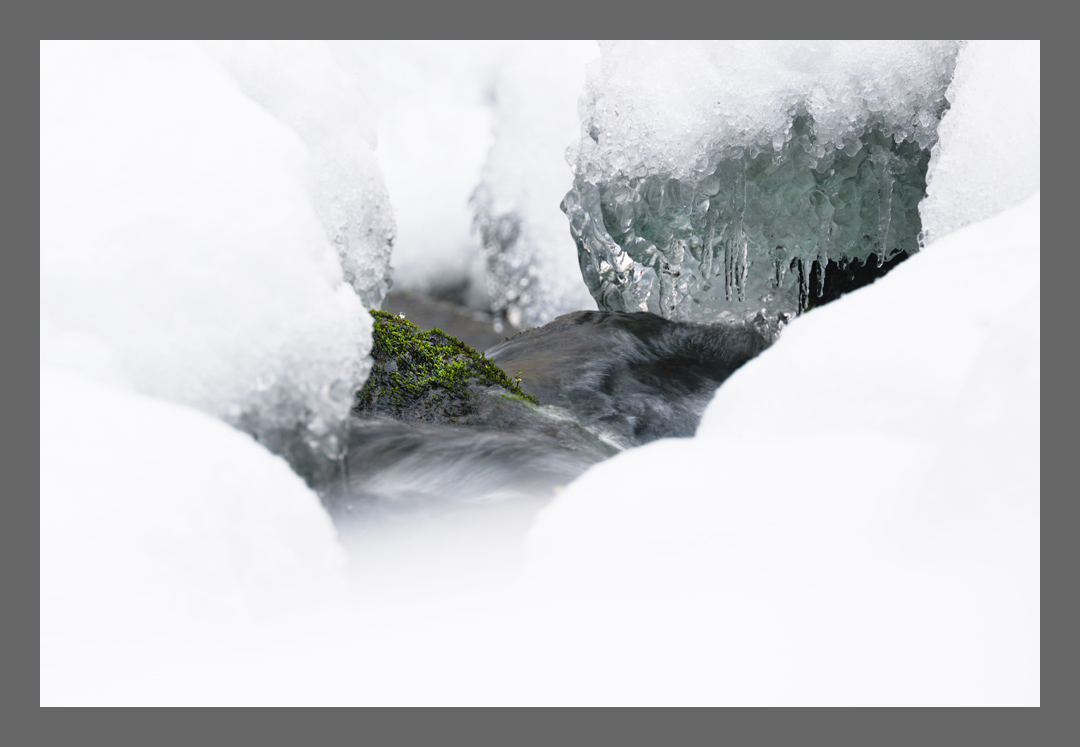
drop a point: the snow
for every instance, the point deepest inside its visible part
(849, 536)
(300, 83)
(663, 106)
(532, 260)
(458, 123)
(182, 253)
(167, 539)
(432, 105)
(857, 518)
(987, 158)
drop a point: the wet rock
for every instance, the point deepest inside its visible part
(439, 424)
(431, 377)
(636, 376)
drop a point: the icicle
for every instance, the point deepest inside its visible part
(822, 263)
(805, 266)
(729, 265)
(741, 267)
(667, 292)
(707, 254)
(884, 219)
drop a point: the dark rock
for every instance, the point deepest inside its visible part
(637, 376)
(844, 277)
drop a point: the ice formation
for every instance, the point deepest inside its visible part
(531, 262)
(987, 155)
(300, 83)
(181, 253)
(706, 171)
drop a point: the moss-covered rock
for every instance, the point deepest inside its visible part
(429, 376)
(438, 423)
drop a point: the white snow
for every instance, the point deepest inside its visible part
(181, 253)
(534, 275)
(664, 106)
(300, 83)
(458, 119)
(987, 157)
(432, 102)
(167, 539)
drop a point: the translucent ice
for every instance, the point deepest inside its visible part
(182, 253)
(709, 171)
(533, 274)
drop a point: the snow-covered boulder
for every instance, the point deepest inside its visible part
(707, 170)
(182, 251)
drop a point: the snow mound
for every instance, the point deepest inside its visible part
(987, 157)
(166, 535)
(707, 170)
(182, 254)
(300, 84)
(533, 273)
(865, 533)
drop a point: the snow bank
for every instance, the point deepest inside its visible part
(987, 158)
(706, 170)
(300, 83)
(866, 531)
(533, 271)
(167, 539)
(181, 253)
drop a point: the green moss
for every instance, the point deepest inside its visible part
(426, 375)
